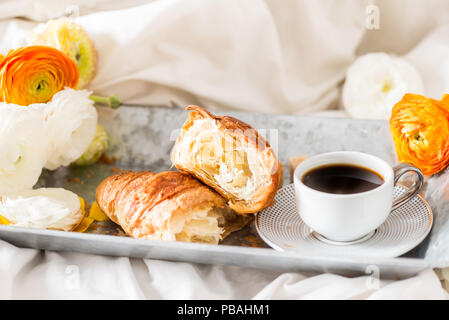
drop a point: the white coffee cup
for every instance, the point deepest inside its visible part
(349, 217)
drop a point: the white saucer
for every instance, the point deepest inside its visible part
(281, 227)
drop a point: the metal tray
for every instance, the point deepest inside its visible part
(141, 139)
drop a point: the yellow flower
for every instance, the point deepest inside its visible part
(65, 35)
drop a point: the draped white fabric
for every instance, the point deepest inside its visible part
(33, 274)
(265, 56)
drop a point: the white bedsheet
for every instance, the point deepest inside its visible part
(254, 55)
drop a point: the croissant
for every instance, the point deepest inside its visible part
(166, 206)
(229, 156)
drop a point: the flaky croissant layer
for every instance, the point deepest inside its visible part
(166, 206)
(229, 156)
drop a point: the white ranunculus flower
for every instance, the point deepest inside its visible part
(375, 83)
(71, 123)
(22, 147)
(47, 208)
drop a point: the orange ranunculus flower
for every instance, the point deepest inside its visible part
(445, 100)
(420, 129)
(34, 74)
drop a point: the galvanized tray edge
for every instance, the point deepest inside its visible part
(263, 258)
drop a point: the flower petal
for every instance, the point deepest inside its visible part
(34, 74)
(71, 123)
(47, 208)
(420, 130)
(23, 144)
(96, 213)
(375, 82)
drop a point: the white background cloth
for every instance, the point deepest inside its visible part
(266, 56)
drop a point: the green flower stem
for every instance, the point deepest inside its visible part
(113, 101)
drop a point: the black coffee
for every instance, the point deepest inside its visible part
(342, 179)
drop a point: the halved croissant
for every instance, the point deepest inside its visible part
(166, 206)
(229, 156)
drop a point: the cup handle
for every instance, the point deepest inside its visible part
(413, 190)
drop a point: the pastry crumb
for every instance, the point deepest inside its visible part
(107, 160)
